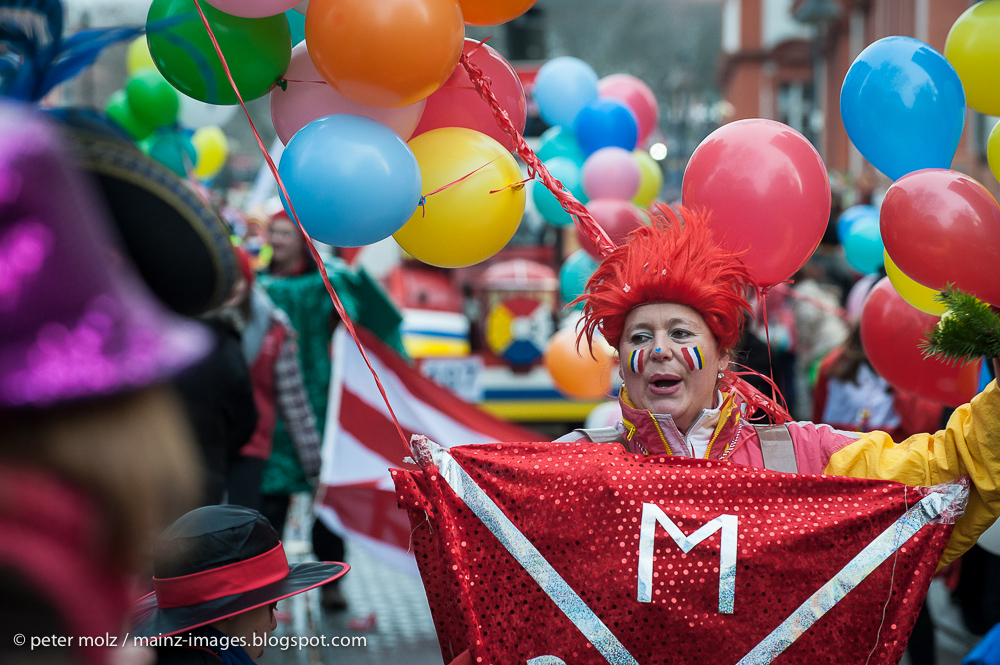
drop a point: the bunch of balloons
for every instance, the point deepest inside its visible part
(169, 126)
(591, 147)
(939, 227)
(384, 132)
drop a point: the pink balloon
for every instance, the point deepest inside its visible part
(253, 8)
(457, 104)
(611, 173)
(616, 217)
(766, 190)
(637, 96)
(309, 97)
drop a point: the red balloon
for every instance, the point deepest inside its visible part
(637, 96)
(616, 217)
(457, 104)
(891, 330)
(942, 227)
(766, 189)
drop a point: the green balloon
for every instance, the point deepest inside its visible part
(559, 142)
(153, 100)
(175, 151)
(119, 110)
(257, 50)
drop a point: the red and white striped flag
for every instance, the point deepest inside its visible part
(360, 443)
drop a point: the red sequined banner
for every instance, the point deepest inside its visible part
(582, 507)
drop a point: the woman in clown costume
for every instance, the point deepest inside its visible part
(673, 303)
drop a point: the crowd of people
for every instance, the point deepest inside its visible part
(119, 416)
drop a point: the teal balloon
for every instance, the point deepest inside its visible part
(863, 246)
(175, 151)
(573, 276)
(297, 25)
(567, 172)
(559, 142)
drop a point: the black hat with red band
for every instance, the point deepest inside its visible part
(216, 562)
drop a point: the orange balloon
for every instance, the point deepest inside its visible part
(385, 53)
(492, 12)
(574, 372)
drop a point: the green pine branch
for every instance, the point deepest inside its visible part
(967, 331)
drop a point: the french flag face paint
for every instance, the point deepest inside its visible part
(635, 361)
(694, 357)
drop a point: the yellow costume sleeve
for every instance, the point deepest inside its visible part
(968, 446)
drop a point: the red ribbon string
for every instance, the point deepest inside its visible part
(312, 248)
(536, 169)
(423, 199)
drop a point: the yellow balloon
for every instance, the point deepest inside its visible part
(651, 179)
(213, 150)
(918, 295)
(478, 207)
(973, 48)
(138, 55)
(993, 151)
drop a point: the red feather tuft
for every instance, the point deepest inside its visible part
(675, 260)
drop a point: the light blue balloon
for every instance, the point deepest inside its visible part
(567, 172)
(563, 86)
(903, 106)
(297, 25)
(176, 151)
(604, 123)
(353, 181)
(851, 215)
(573, 276)
(863, 246)
(559, 142)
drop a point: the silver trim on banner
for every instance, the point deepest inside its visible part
(530, 558)
(870, 558)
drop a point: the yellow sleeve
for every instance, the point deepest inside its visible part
(968, 446)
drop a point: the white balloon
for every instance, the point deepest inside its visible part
(301, 7)
(990, 540)
(195, 114)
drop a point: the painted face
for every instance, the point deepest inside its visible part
(680, 361)
(286, 242)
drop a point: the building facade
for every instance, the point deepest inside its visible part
(775, 67)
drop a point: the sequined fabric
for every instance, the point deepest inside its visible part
(580, 507)
(76, 320)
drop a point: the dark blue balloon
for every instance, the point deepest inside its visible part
(903, 106)
(851, 215)
(606, 122)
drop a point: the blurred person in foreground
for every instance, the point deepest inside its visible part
(96, 455)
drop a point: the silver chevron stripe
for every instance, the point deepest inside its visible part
(870, 558)
(530, 558)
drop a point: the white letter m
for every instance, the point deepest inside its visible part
(651, 515)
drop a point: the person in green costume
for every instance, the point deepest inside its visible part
(296, 286)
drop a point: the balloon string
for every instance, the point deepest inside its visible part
(423, 199)
(762, 294)
(308, 241)
(784, 289)
(516, 186)
(536, 169)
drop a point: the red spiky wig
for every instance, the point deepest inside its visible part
(675, 260)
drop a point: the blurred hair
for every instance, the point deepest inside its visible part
(132, 453)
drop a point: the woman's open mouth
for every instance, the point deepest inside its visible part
(664, 384)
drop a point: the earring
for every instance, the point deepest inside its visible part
(721, 375)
